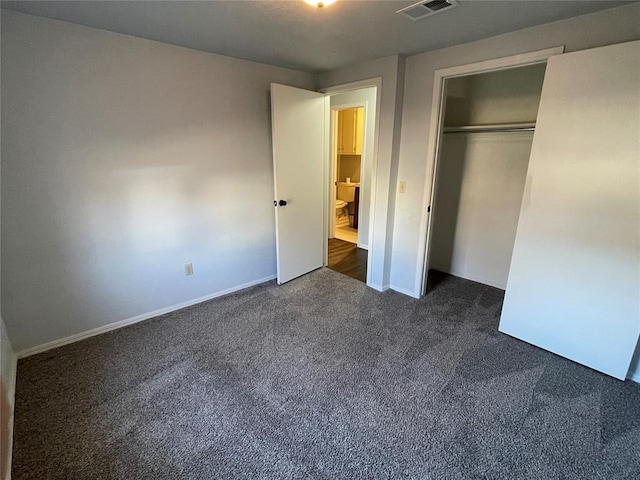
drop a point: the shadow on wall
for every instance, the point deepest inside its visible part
(447, 203)
(634, 370)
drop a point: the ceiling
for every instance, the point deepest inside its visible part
(290, 33)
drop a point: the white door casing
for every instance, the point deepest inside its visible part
(298, 137)
(574, 281)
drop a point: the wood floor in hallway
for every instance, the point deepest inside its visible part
(348, 259)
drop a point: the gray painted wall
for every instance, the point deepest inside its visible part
(124, 159)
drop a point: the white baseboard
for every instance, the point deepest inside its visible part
(363, 246)
(138, 318)
(404, 292)
(635, 376)
(380, 288)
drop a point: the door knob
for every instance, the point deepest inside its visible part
(282, 203)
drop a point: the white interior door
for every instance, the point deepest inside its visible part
(574, 282)
(298, 136)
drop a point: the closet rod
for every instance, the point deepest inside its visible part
(501, 127)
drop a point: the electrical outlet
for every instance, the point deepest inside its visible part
(188, 269)
(403, 186)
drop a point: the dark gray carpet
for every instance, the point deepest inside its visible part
(322, 378)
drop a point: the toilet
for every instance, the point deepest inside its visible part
(345, 193)
(342, 214)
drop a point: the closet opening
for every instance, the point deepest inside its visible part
(485, 137)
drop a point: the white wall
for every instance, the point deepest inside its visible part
(480, 183)
(124, 159)
(390, 101)
(363, 95)
(588, 31)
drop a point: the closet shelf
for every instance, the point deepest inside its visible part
(498, 127)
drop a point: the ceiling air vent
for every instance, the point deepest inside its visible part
(425, 9)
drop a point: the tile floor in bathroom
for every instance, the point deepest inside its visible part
(346, 233)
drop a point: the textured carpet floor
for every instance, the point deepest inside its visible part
(322, 378)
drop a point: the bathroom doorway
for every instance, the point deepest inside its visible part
(348, 172)
(352, 142)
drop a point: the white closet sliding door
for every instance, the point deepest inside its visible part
(574, 282)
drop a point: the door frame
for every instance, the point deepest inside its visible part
(330, 202)
(435, 135)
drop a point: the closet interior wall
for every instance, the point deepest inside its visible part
(481, 175)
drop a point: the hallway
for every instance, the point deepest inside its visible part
(348, 259)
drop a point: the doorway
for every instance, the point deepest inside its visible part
(347, 170)
(349, 181)
(304, 193)
(488, 125)
(480, 138)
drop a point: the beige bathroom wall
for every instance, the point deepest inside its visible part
(349, 168)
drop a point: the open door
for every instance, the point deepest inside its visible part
(573, 286)
(298, 136)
